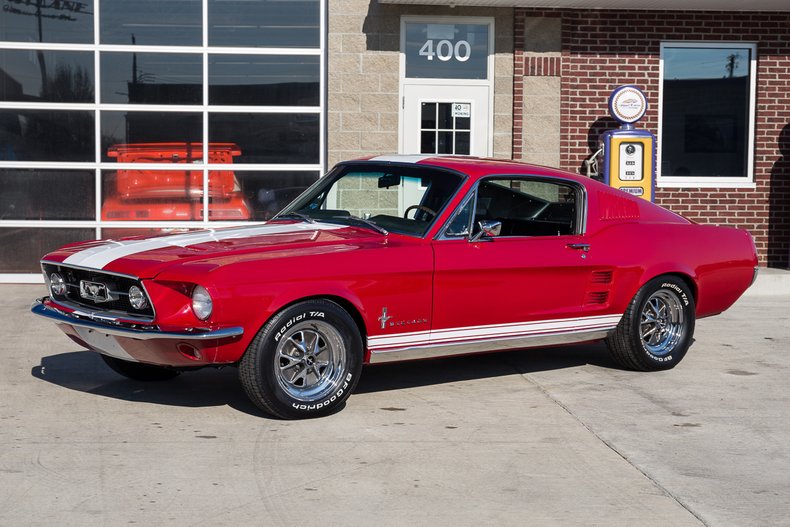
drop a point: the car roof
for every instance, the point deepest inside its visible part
(477, 167)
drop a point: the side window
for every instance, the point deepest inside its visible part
(527, 207)
(459, 226)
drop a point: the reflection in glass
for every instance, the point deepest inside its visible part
(152, 78)
(172, 194)
(31, 243)
(113, 233)
(46, 135)
(46, 76)
(264, 23)
(152, 22)
(47, 21)
(268, 138)
(264, 80)
(144, 128)
(705, 120)
(265, 193)
(34, 194)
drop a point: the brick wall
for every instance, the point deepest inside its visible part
(602, 49)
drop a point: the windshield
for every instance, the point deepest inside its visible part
(388, 198)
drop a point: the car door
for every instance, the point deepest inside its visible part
(534, 270)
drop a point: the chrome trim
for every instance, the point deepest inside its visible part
(111, 316)
(93, 269)
(754, 276)
(61, 317)
(102, 271)
(488, 229)
(499, 344)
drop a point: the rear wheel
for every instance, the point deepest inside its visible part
(139, 371)
(304, 362)
(657, 328)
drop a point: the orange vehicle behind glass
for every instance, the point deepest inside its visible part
(174, 194)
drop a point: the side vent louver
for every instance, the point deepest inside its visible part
(601, 277)
(597, 297)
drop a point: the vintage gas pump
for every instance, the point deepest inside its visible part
(629, 155)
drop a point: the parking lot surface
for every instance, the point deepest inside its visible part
(537, 437)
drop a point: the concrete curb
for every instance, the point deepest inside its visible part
(770, 282)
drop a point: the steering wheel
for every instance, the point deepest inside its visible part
(419, 207)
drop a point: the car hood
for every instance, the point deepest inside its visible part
(146, 257)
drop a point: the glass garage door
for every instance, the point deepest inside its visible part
(127, 117)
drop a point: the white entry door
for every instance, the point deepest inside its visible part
(446, 119)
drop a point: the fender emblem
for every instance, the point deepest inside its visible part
(384, 318)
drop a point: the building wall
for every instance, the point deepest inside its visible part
(602, 49)
(363, 71)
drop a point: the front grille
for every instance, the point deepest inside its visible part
(117, 285)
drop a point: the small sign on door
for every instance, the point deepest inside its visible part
(461, 109)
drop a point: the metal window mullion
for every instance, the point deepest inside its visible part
(322, 122)
(97, 115)
(204, 109)
(48, 46)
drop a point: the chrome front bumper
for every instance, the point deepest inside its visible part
(106, 327)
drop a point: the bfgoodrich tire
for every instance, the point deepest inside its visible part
(139, 371)
(657, 328)
(304, 362)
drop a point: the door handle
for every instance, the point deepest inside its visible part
(579, 246)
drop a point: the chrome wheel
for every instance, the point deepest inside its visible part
(309, 361)
(662, 323)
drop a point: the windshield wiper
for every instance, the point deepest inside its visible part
(291, 215)
(359, 221)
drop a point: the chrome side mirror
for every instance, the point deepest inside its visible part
(488, 229)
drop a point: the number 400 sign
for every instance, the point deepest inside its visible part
(445, 50)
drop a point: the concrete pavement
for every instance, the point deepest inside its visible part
(538, 437)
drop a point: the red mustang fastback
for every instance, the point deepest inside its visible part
(400, 258)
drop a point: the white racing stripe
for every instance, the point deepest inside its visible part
(101, 255)
(440, 336)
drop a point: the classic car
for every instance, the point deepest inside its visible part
(399, 258)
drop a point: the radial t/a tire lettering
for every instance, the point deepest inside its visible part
(140, 371)
(304, 362)
(657, 328)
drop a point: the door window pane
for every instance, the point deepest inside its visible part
(705, 120)
(46, 76)
(264, 80)
(32, 194)
(67, 22)
(446, 51)
(151, 78)
(156, 136)
(264, 23)
(30, 244)
(439, 121)
(151, 22)
(46, 135)
(263, 193)
(268, 138)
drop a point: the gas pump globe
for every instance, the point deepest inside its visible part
(629, 155)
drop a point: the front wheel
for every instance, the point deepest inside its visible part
(304, 362)
(657, 328)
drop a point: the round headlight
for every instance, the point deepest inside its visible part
(201, 302)
(57, 284)
(137, 298)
